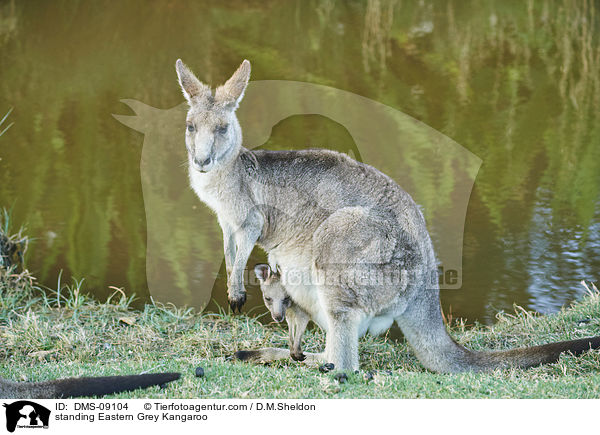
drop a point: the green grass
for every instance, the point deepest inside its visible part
(47, 335)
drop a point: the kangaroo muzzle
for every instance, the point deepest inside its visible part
(278, 316)
(202, 165)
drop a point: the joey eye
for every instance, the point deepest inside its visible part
(190, 127)
(268, 300)
(222, 129)
(286, 300)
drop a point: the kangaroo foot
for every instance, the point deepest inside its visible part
(298, 356)
(264, 355)
(237, 302)
(247, 355)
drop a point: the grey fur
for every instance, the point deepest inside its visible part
(27, 390)
(321, 215)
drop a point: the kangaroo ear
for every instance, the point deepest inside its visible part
(192, 88)
(232, 92)
(262, 271)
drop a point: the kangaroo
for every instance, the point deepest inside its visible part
(281, 307)
(80, 387)
(332, 221)
(278, 301)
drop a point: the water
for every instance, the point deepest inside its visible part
(515, 83)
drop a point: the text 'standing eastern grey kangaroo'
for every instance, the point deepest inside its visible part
(319, 213)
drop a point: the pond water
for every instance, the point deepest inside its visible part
(517, 84)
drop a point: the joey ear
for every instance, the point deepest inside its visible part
(262, 271)
(232, 92)
(192, 88)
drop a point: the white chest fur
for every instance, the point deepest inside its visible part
(216, 193)
(206, 189)
(298, 281)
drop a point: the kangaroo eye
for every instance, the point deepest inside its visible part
(222, 129)
(268, 300)
(190, 127)
(286, 300)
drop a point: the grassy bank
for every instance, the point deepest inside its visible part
(68, 334)
(48, 334)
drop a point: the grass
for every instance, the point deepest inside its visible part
(50, 334)
(47, 336)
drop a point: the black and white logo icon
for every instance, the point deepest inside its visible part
(26, 414)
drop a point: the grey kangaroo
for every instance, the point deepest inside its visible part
(320, 213)
(281, 306)
(79, 387)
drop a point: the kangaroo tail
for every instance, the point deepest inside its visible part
(531, 356)
(100, 386)
(423, 327)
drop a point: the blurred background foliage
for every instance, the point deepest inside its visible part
(514, 82)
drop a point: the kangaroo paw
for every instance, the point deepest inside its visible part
(236, 303)
(298, 356)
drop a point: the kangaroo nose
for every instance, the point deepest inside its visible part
(202, 163)
(278, 319)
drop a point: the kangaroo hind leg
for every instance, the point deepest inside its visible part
(341, 341)
(270, 354)
(264, 355)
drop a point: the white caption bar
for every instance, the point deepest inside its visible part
(296, 416)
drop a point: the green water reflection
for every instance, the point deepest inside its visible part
(515, 83)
